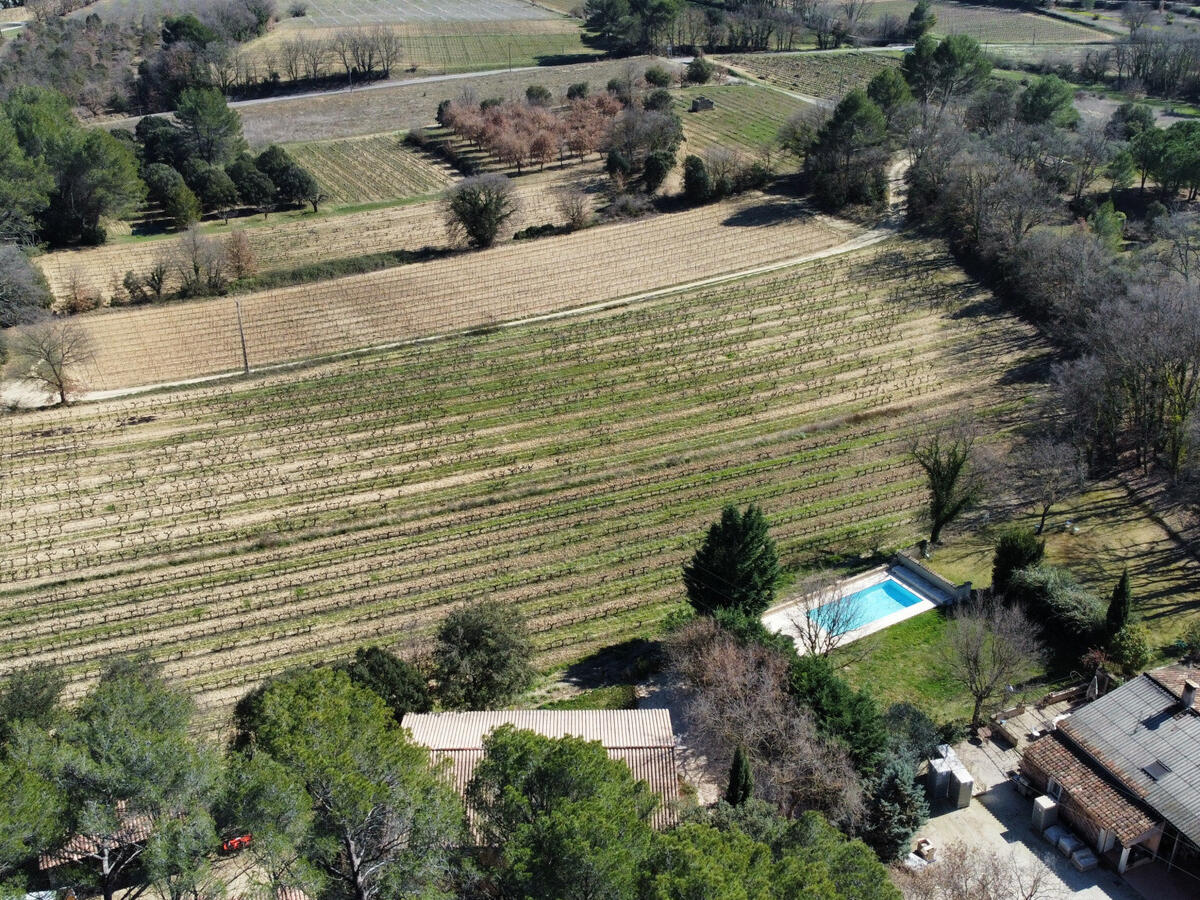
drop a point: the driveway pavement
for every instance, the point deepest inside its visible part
(998, 820)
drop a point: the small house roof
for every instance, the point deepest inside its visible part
(1097, 797)
(641, 738)
(1146, 739)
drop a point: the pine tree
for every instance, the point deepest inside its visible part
(1120, 605)
(896, 808)
(741, 780)
(737, 566)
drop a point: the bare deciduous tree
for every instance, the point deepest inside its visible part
(50, 353)
(1050, 471)
(239, 255)
(988, 646)
(738, 695)
(971, 873)
(575, 207)
(200, 262)
(824, 615)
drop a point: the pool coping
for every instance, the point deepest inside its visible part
(778, 618)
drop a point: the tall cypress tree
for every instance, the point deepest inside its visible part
(736, 567)
(1120, 605)
(741, 780)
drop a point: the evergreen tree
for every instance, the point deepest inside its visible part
(697, 184)
(1018, 548)
(842, 713)
(896, 808)
(736, 567)
(481, 657)
(1119, 606)
(741, 780)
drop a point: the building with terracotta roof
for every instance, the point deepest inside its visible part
(641, 738)
(1125, 770)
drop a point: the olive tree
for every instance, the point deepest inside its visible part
(482, 656)
(478, 207)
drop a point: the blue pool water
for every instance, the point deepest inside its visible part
(873, 603)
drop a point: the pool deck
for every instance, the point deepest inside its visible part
(780, 618)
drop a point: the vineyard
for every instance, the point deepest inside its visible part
(290, 241)
(511, 281)
(825, 76)
(566, 468)
(339, 12)
(993, 24)
(371, 169)
(433, 48)
(746, 117)
(400, 106)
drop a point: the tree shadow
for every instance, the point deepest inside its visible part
(624, 663)
(772, 212)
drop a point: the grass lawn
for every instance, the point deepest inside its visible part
(618, 696)
(905, 663)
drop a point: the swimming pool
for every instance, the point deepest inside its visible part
(869, 605)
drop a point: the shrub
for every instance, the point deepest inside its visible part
(627, 206)
(1058, 602)
(1130, 649)
(400, 684)
(298, 10)
(1191, 641)
(538, 95)
(477, 208)
(841, 712)
(658, 77)
(657, 100)
(1018, 548)
(700, 71)
(578, 90)
(658, 167)
(481, 657)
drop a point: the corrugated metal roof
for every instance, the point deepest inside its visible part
(640, 738)
(1140, 723)
(1085, 787)
(611, 727)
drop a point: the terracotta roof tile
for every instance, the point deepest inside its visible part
(1088, 789)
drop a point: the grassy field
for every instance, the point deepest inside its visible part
(993, 24)
(824, 76)
(371, 169)
(747, 117)
(297, 237)
(566, 468)
(511, 281)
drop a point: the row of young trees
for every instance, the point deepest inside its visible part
(522, 133)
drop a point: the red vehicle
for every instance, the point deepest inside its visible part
(233, 844)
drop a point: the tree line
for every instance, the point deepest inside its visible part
(633, 26)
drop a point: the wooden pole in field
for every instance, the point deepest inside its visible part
(242, 336)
